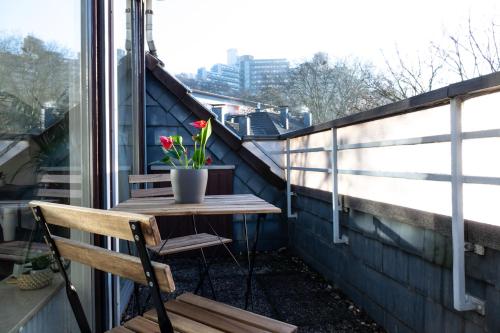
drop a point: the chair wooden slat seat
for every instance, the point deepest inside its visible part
(221, 316)
(180, 324)
(240, 315)
(188, 243)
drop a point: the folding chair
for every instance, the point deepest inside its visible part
(188, 313)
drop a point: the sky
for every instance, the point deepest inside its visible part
(196, 33)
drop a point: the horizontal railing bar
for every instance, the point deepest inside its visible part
(327, 170)
(310, 150)
(398, 142)
(404, 175)
(481, 180)
(491, 133)
(300, 151)
(407, 175)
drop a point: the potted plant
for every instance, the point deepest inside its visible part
(189, 175)
(38, 273)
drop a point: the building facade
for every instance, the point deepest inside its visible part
(246, 74)
(258, 74)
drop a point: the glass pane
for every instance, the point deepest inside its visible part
(123, 144)
(43, 112)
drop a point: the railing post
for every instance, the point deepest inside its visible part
(289, 182)
(337, 239)
(461, 300)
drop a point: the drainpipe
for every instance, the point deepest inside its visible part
(149, 27)
(128, 25)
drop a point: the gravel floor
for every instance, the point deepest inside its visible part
(285, 288)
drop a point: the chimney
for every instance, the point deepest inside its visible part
(284, 116)
(244, 124)
(220, 112)
(257, 108)
(306, 116)
(308, 119)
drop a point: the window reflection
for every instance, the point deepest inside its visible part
(42, 136)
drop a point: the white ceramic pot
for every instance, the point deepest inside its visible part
(189, 185)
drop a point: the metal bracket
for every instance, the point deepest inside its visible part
(475, 248)
(154, 288)
(73, 298)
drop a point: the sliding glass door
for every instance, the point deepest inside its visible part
(45, 147)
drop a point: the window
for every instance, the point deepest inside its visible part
(44, 140)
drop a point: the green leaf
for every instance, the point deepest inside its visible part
(205, 133)
(208, 129)
(166, 160)
(173, 154)
(177, 139)
(196, 158)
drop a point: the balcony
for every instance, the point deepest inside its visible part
(388, 223)
(401, 217)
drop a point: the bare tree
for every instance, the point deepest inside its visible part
(33, 75)
(415, 76)
(472, 52)
(463, 55)
(334, 89)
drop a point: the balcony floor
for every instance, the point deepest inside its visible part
(285, 288)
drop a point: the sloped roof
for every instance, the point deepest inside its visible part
(183, 93)
(263, 123)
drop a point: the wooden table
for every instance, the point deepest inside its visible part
(213, 205)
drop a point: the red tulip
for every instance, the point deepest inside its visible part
(199, 124)
(208, 161)
(166, 142)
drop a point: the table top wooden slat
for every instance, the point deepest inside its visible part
(213, 205)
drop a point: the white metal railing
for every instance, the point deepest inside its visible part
(462, 300)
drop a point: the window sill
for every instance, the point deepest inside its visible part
(24, 304)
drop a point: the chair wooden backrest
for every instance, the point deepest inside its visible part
(146, 192)
(141, 229)
(60, 187)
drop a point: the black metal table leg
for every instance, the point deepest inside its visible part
(248, 292)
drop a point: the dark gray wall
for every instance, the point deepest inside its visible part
(166, 115)
(400, 274)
